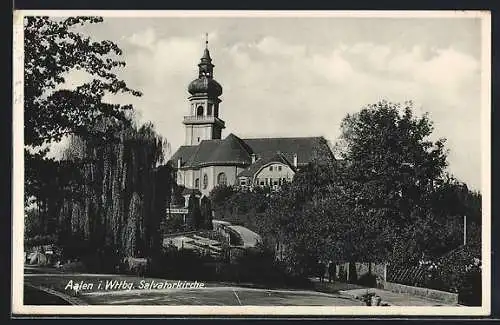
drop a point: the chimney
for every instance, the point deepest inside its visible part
(254, 158)
(179, 162)
(295, 160)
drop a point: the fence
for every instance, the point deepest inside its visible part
(409, 275)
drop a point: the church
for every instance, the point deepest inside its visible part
(207, 160)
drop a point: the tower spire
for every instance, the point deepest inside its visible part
(203, 121)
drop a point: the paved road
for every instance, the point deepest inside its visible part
(34, 296)
(134, 292)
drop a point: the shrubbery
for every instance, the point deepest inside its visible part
(39, 240)
(256, 266)
(457, 272)
(368, 280)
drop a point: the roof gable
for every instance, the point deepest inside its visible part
(267, 158)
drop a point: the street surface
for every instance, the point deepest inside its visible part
(130, 290)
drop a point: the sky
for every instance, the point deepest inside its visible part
(289, 76)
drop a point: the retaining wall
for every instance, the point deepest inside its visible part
(446, 297)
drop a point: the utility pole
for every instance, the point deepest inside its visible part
(465, 230)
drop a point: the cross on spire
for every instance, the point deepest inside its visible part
(206, 40)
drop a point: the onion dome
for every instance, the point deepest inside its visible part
(205, 83)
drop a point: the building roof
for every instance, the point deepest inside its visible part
(232, 150)
(235, 151)
(265, 159)
(304, 147)
(183, 153)
(202, 153)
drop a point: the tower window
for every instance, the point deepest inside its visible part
(271, 168)
(205, 181)
(279, 168)
(221, 179)
(199, 111)
(209, 110)
(197, 183)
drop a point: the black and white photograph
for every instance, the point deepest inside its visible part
(251, 163)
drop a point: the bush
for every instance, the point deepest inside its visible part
(74, 267)
(181, 264)
(458, 272)
(254, 266)
(39, 240)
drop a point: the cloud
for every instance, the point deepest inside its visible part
(273, 47)
(145, 38)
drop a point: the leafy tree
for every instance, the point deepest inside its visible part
(396, 173)
(131, 231)
(206, 213)
(296, 223)
(375, 203)
(108, 180)
(194, 212)
(220, 193)
(240, 206)
(53, 48)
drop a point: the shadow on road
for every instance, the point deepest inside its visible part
(33, 296)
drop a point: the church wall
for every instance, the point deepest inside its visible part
(180, 177)
(196, 175)
(212, 174)
(209, 172)
(189, 179)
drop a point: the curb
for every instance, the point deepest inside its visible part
(65, 297)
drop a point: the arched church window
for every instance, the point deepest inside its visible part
(221, 179)
(197, 183)
(205, 181)
(199, 111)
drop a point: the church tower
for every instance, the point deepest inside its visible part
(203, 122)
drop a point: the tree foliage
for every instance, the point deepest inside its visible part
(108, 180)
(132, 230)
(194, 212)
(53, 48)
(388, 197)
(239, 206)
(105, 190)
(206, 213)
